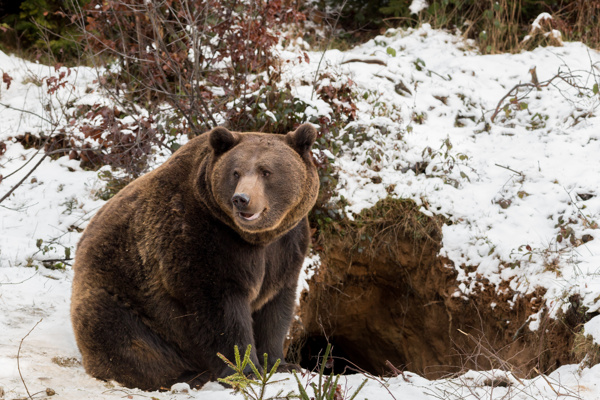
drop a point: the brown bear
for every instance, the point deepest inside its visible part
(195, 257)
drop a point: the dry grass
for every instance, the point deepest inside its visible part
(502, 381)
(578, 20)
(586, 350)
(383, 226)
(500, 26)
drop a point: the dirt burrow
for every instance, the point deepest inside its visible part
(397, 301)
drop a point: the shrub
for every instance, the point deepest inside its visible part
(44, 28)
(175, 68)
(251, 389)
(327, 387)
(497, 25)
(364, 15)
(208, 59)
(578, 20)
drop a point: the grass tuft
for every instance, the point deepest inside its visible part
(382, 226)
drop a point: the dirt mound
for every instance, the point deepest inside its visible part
(382, 293)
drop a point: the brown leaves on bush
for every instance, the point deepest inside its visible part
(118, 143)
(6, 78)
(200, 56)
(59, 81)
(338, 94)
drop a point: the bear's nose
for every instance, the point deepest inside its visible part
(240, 200)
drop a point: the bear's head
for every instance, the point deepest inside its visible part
(262, 184)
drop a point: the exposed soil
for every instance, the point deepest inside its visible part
(67, 362)
(393, 300)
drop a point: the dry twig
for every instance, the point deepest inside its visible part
(18, 359)
(24, 178)
(531, 86)
(510, 169)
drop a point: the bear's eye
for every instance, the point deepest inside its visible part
(266, 173)
(236, 175)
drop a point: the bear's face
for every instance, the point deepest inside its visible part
(260, 180)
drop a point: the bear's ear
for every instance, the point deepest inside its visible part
(222, 139)
(302, 138)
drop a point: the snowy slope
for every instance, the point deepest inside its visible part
(510, 187)
(48, 358)
(58, 197)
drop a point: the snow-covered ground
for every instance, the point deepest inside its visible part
(522, 192)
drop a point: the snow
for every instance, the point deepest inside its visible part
(511, 187)
(592, 328)
(507, 186)
(48, 358)
(536, 24)
(311, 264)
(417, 6)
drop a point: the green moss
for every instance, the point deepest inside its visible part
(382, 226)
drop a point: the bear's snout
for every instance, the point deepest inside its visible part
(240, 201)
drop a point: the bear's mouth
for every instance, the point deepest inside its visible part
(249, 216)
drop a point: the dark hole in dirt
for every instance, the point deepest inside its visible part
(389, 304)
(341, 360)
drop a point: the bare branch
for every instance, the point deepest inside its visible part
(24, 178)
(531, 86)
(18, 358)
(25, 111)
(510, 169)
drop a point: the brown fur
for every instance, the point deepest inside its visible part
(169, 272)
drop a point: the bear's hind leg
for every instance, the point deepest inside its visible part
(116, 344)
